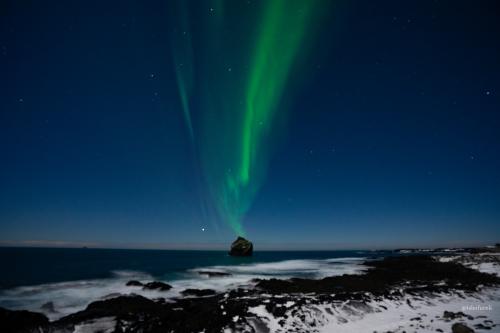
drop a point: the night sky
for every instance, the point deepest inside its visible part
(384, 129)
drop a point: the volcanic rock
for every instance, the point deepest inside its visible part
(21, 321)
(157, 285)
(241, 247)
(461, 328)
(134, 283)
(456, 315)
(387, 273)
(198, 292)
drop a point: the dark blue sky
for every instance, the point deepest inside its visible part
(393, 132)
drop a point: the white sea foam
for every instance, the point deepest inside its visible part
(291, 268)
(69, 297)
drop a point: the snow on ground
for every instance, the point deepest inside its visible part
(479, 311)
(101, 325)
(483, 262)
(410, 314)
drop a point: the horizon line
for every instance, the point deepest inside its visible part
(262, 246)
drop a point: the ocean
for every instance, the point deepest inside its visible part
(72, 278)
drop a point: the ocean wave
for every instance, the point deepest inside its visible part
(292, 268)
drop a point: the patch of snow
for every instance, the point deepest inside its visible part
(101, 325)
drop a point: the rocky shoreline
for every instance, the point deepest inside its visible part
(298, 305)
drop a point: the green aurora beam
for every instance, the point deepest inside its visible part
(237, 108)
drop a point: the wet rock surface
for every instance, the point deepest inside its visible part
(134, 283)
(157, 285)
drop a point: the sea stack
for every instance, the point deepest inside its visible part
(241, 247)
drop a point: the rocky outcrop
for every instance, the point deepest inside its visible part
(461, 328)
(241, 247)
(134, 283)
(135, 313)
(422, 271)
(22, 321)
(157, 285)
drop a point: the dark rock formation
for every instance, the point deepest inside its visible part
(241, 248)
(139, 314)
(134, 283)
(157, 285)
(456, 315)
(198, 292)
(213, 273)
(388, 273)
(21, 321)
(461, 328)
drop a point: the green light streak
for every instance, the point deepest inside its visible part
(238, 107)
(280, 36)
(183, 64)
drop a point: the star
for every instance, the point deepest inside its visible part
(202, 229)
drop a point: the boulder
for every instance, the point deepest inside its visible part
(461, 328)
(156, 285)
(134, 283)
(455, 315)
(241, 247)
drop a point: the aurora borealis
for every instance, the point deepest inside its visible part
(238, 128)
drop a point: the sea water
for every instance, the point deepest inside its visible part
(72, 278)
